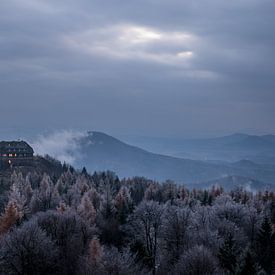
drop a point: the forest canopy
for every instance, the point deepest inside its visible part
(79, 223)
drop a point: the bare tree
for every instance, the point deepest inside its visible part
(146, 225)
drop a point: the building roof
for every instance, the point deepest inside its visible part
(5, 145)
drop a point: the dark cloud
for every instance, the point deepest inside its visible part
(153, 67)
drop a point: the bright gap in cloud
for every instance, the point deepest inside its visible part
(139, 35)
(185, 54)
(136, 43)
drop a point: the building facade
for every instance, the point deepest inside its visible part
(15, 153)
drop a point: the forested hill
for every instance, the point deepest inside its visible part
(71, 222)
(39, 165)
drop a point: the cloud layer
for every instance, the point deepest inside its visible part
(151, 67)
(62, 145)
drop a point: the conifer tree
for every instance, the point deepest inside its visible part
(95, 252)
(86, 210)
(249, 266)
(264, 245)
(9, 218)
(227, 254)
(123, 204)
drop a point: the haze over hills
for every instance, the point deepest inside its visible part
(259, 149)
(99, 151)
(231, 182)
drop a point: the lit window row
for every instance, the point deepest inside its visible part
(8, 155)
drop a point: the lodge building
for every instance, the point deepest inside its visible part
(15, 153)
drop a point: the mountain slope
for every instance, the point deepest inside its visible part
(101, 152)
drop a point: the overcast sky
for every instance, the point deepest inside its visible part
(140, 67)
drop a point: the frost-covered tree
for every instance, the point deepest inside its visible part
(20, 193)
(86, 210)
(169, 191)
(45, 197)
(197, 260)
(70, 233)
(99, 224)
(146, 225)
(152, 192)
(264, 246)
(28, 250)
(119, 262)
(175, 232)
(248, 264)
(123, 204)
(228, 255)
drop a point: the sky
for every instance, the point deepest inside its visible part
(141, 67)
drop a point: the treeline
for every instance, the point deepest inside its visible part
(98, 224)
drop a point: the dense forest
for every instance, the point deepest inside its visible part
(77, 223)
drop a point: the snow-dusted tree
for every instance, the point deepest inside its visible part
(230, 218)
(28, 190)
(152, 192)
(183, 193)
(119, 262)
(228, 255)
(20, 193)
(94, 197)
(137, 186)
(107, 222)
(264, 246)
(253, 222)
(203, 227)
(74, 192)
(66, 180)
(86, 210)
(146, 225)
(95, 252)
(107, 207)
(17, 196)
(18, 179)
(70, 233)
(82, 184)
(175, 232)
(28, 250)
(197, 260)
(91, 263)
(62, 207)
(123, 204)
(45, 197)
(169, 191)
(72, 197)
(34, 178)
(226, 209)
(248, 264)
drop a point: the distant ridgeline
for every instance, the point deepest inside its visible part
(15, 153)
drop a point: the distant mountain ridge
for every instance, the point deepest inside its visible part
(100, 151)
(235, 147)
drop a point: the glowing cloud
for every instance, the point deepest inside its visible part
(135, 43)
(134, 34)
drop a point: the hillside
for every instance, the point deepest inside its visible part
(99, 151)
(40, 165)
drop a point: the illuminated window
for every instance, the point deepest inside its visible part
(10, 155)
